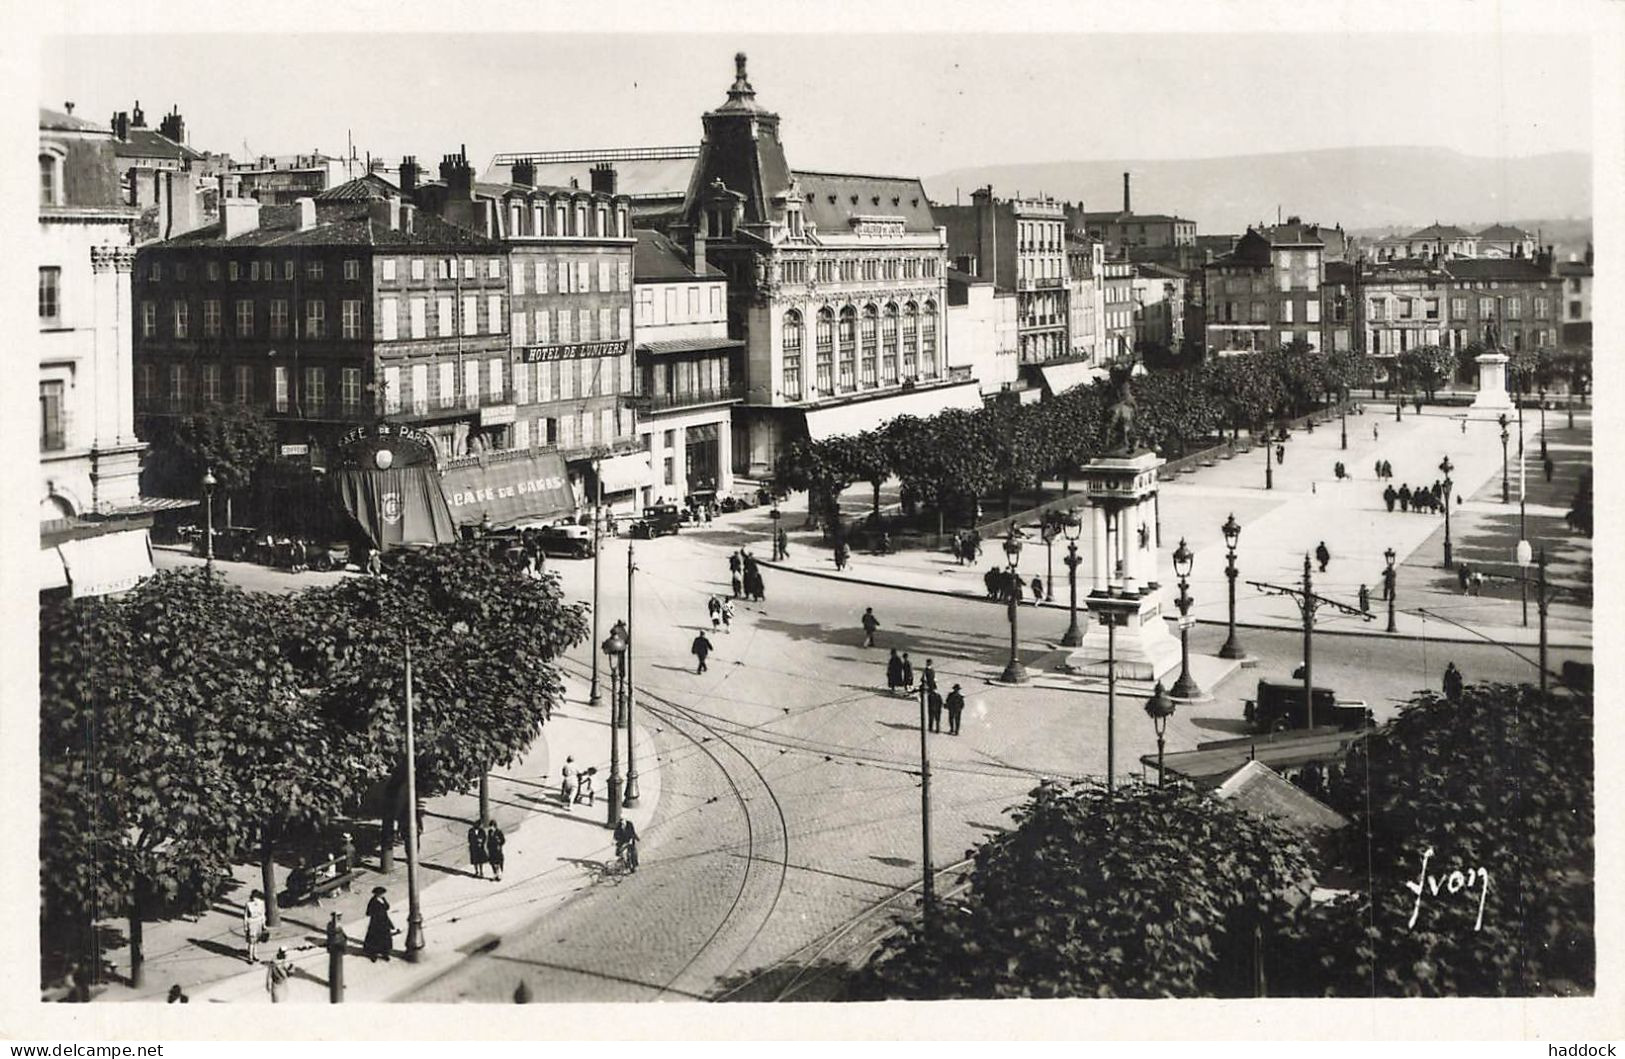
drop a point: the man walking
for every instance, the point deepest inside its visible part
(1546, 464)
(933, 709)
(908, 674)
(1452, 683)
(956, 706)
(700, 648)
(1404, 497)
(894, 672)
(1322, 556)
(870, 624)
(1365, 599)
(476, 849)
(495, 840)
(1389, 496)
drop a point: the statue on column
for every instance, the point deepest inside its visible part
(1120, 431)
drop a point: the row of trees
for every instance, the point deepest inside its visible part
(949, 460)
(1166, 892)
(190, 726)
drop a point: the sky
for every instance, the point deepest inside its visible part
(907, 104)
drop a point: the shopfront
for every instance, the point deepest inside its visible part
(504, 489)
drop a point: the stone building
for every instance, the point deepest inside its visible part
(1019, 244)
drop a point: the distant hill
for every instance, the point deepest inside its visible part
(1357, 187)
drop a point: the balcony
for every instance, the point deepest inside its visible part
(690, 398)
(1041, 283)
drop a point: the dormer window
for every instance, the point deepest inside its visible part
(50, 178)
(718, 222)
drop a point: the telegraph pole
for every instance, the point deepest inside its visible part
(1308, 603)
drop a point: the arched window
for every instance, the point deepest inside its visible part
(516, 219)
(848, 334)
(538, 219)
(580, 228)
(558, 220)
(888, 345)
(792, 355)
(824, 363)
(50, 178)
(928, 341)
(911, 339)
(867, 334)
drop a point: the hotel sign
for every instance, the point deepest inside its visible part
(572, 351)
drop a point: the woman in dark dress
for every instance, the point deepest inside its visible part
(380, 930)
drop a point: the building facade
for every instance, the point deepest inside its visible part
(1159, 307)
(1266, 293)
(1117, 335)
(1086, 294)
(1406, 304)
(1576, 276)
(1505, 240)
(1020, 245)
(1509, 303)
(1124, 229)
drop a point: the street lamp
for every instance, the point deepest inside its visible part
(1072, 528)
(414, 906)
(614, 648)
(1446, 466)
(1185, 687)
(1269, 460)
(1159, 707)
(1393, 584)
(1543, 424)
(1344, 414)
(775, 515)
(593, 697)
(1048, 529)
(1014, 672)
(1232, 535)
(631, 799)
(1112, 609)
(208, 521)
(1502, 419)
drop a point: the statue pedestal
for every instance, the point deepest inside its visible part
(1492, 383)
(1141, 648)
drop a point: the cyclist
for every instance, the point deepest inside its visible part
(626, 844)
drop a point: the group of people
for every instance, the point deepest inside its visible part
(1002, 584)
(576, 787)
(900, 673)
(485, 846)
(967, 546)
(1421, 498)
(722, 613)
(745, 575)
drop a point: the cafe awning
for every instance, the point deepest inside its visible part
(531, 487)
(1058, 378)
(621, 473)
(50, 571)
(869, 413)
(111, 562)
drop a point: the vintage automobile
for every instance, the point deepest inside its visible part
(658, 521)
(567, 540)
(1279, 706)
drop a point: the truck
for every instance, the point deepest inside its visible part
(1278, 706)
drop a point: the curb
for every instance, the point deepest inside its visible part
(1533, 642)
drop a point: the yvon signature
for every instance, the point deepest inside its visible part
(1453, 883)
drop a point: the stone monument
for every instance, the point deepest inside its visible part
(1492, 382)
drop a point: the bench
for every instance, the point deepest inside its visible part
(319, 886)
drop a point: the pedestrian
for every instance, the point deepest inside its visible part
(992, 580)
(1387, 469)
(1365, 599)
(380, 928)
(1418, 404)
(956, 706)
(1038, 589)
(1373, 432)
(253, 925)
(1404, 497)
(277, 973)
(1452, 682)
(1546, 464)
(567, 783)
(842, 554)
(1463, 576)
(736, 585)
(1322, 555)
(870, 624)
(476, 849)
(933, 710)
(1478, 582)
(375, 563)
(928, 677)
(1388, 577)
(784, 544)
(585, 788)
(1280, 454)
(626, 844)
(727, 615)
(894, 672)
(714, 607)
(908, 674)
(1438, 492)
(1464, 424)
(733, 562)
(700, 648)
(1379, 469)
(754, 588)
(1389, 496)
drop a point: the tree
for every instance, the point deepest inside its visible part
(1347, 369)
(817, 467)
(1173, 407)
(943, 460)
(1246, 390)
(1426, 368)
(233, 441)
(866, 457)
(1299, 370)
(1151, 892)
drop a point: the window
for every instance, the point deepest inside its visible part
(53, 421)
(1379, 308)
(605, 324)
(417, 268)
(928, 340)
(214, 270)
(386, 266)
(389, 320)
(245, 318)
(281, 378)
(50, 179)
(315, 389)
(211, 383)
(541, 277)
(1286, 338)
(493, 378)
(287, 269)
(911, 326)
(471, 382)
(471, 314)
(583, 324)
(50, 296)
(392, 388)
(314, 270)
(605, 276)
(445, 312)
(544, 382)
(253, 271)
(232, 269)
(243, 391)
(182, 315)
(448, 384)
(350, 318)
(1514, 308)
(670, 470)
(521, 382)
(791, 338)
(1430, 308)
(211, 318)
(564, 325)
(623, 317)
(583, 276)
(516, 280)
(156, 273)
(623, 276)
(177, 382)
(1576, 310)
(1286, 310)
(315, 319)
(544, 326)
(420, 387)
(445, 267)
(1542, 310)
(693, 303)
(352, 269)
(888, 345)
(149, 319)
(519, 327)
(493, 314)
(1312, 311)
(493, 268)
(1458, 308)
(279, 318)
(350, 388)
(825, 351)
(468, 268)
(1259, 313)
(646, 306)
(847, 336)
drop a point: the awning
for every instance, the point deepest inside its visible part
(112, 562)
(862, 414)
(147, 505)
(1058, 378)
(621, 473)
(690, 345)
(400, 506)
(530, 488)
(52, 573)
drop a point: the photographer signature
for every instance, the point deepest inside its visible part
(1454, 883)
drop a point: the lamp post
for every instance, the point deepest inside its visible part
(1543, 424)
(1232, 535)
(208, 521)
(927, 883)
(414, 908)
(593, 698)
(775, 515)
(1185, 687)
(1014, 672)
(1446, 466)
(614, 647)
(1344, 414)
(1502, 419)
(1399, 407)
(1159, 707)
(1111, 608)
(631, 799)
(1393, 587)
(1048, 530)
(1072, 528)
(1269, 460)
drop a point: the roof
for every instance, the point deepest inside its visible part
(966, 278)
(1294, 235)
(656, 259)
(1210, 761)
(337, 224)
(145, 143)
(1120, 217)
(690, 345)
(1507, 268)
(665, 176)
(55, 119)
(369, 188)
(834, 199)
(1156, 271)
(1441, 231)
(1505, 231)
(1265, 793)
(1574, 268)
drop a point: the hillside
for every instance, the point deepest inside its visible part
(1356, 187)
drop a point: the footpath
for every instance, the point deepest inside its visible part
(1307, 505)
(551, 852)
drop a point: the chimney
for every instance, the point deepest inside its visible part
(238, 215)
(307, 213)
(177, 205)
(408, 215)
(603, 178)
(385, 213)
(173, 126)
(121, 125)
(409, 174)
(138, 120)
(1127, 208)
(524, 172)
(68, 106)
(458, 175)
(1590, 254)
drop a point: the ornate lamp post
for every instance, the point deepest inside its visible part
(593, 697)
(1185, 687)
(1232, 535)
(614, 648)
(631, 799)
(1446, 466)
(208, 521)
(1505, 495)
(775, 515)
(1543, 423)
(1159, 707)
(414, 906)
(1269, 460)
(1344, 413)
(1048, 530)
(1014, 672)
(1393, 587)
(1072, 528)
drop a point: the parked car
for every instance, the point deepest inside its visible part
(658, 521)
(331, 555)
(569, 541)
(1279, 706)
